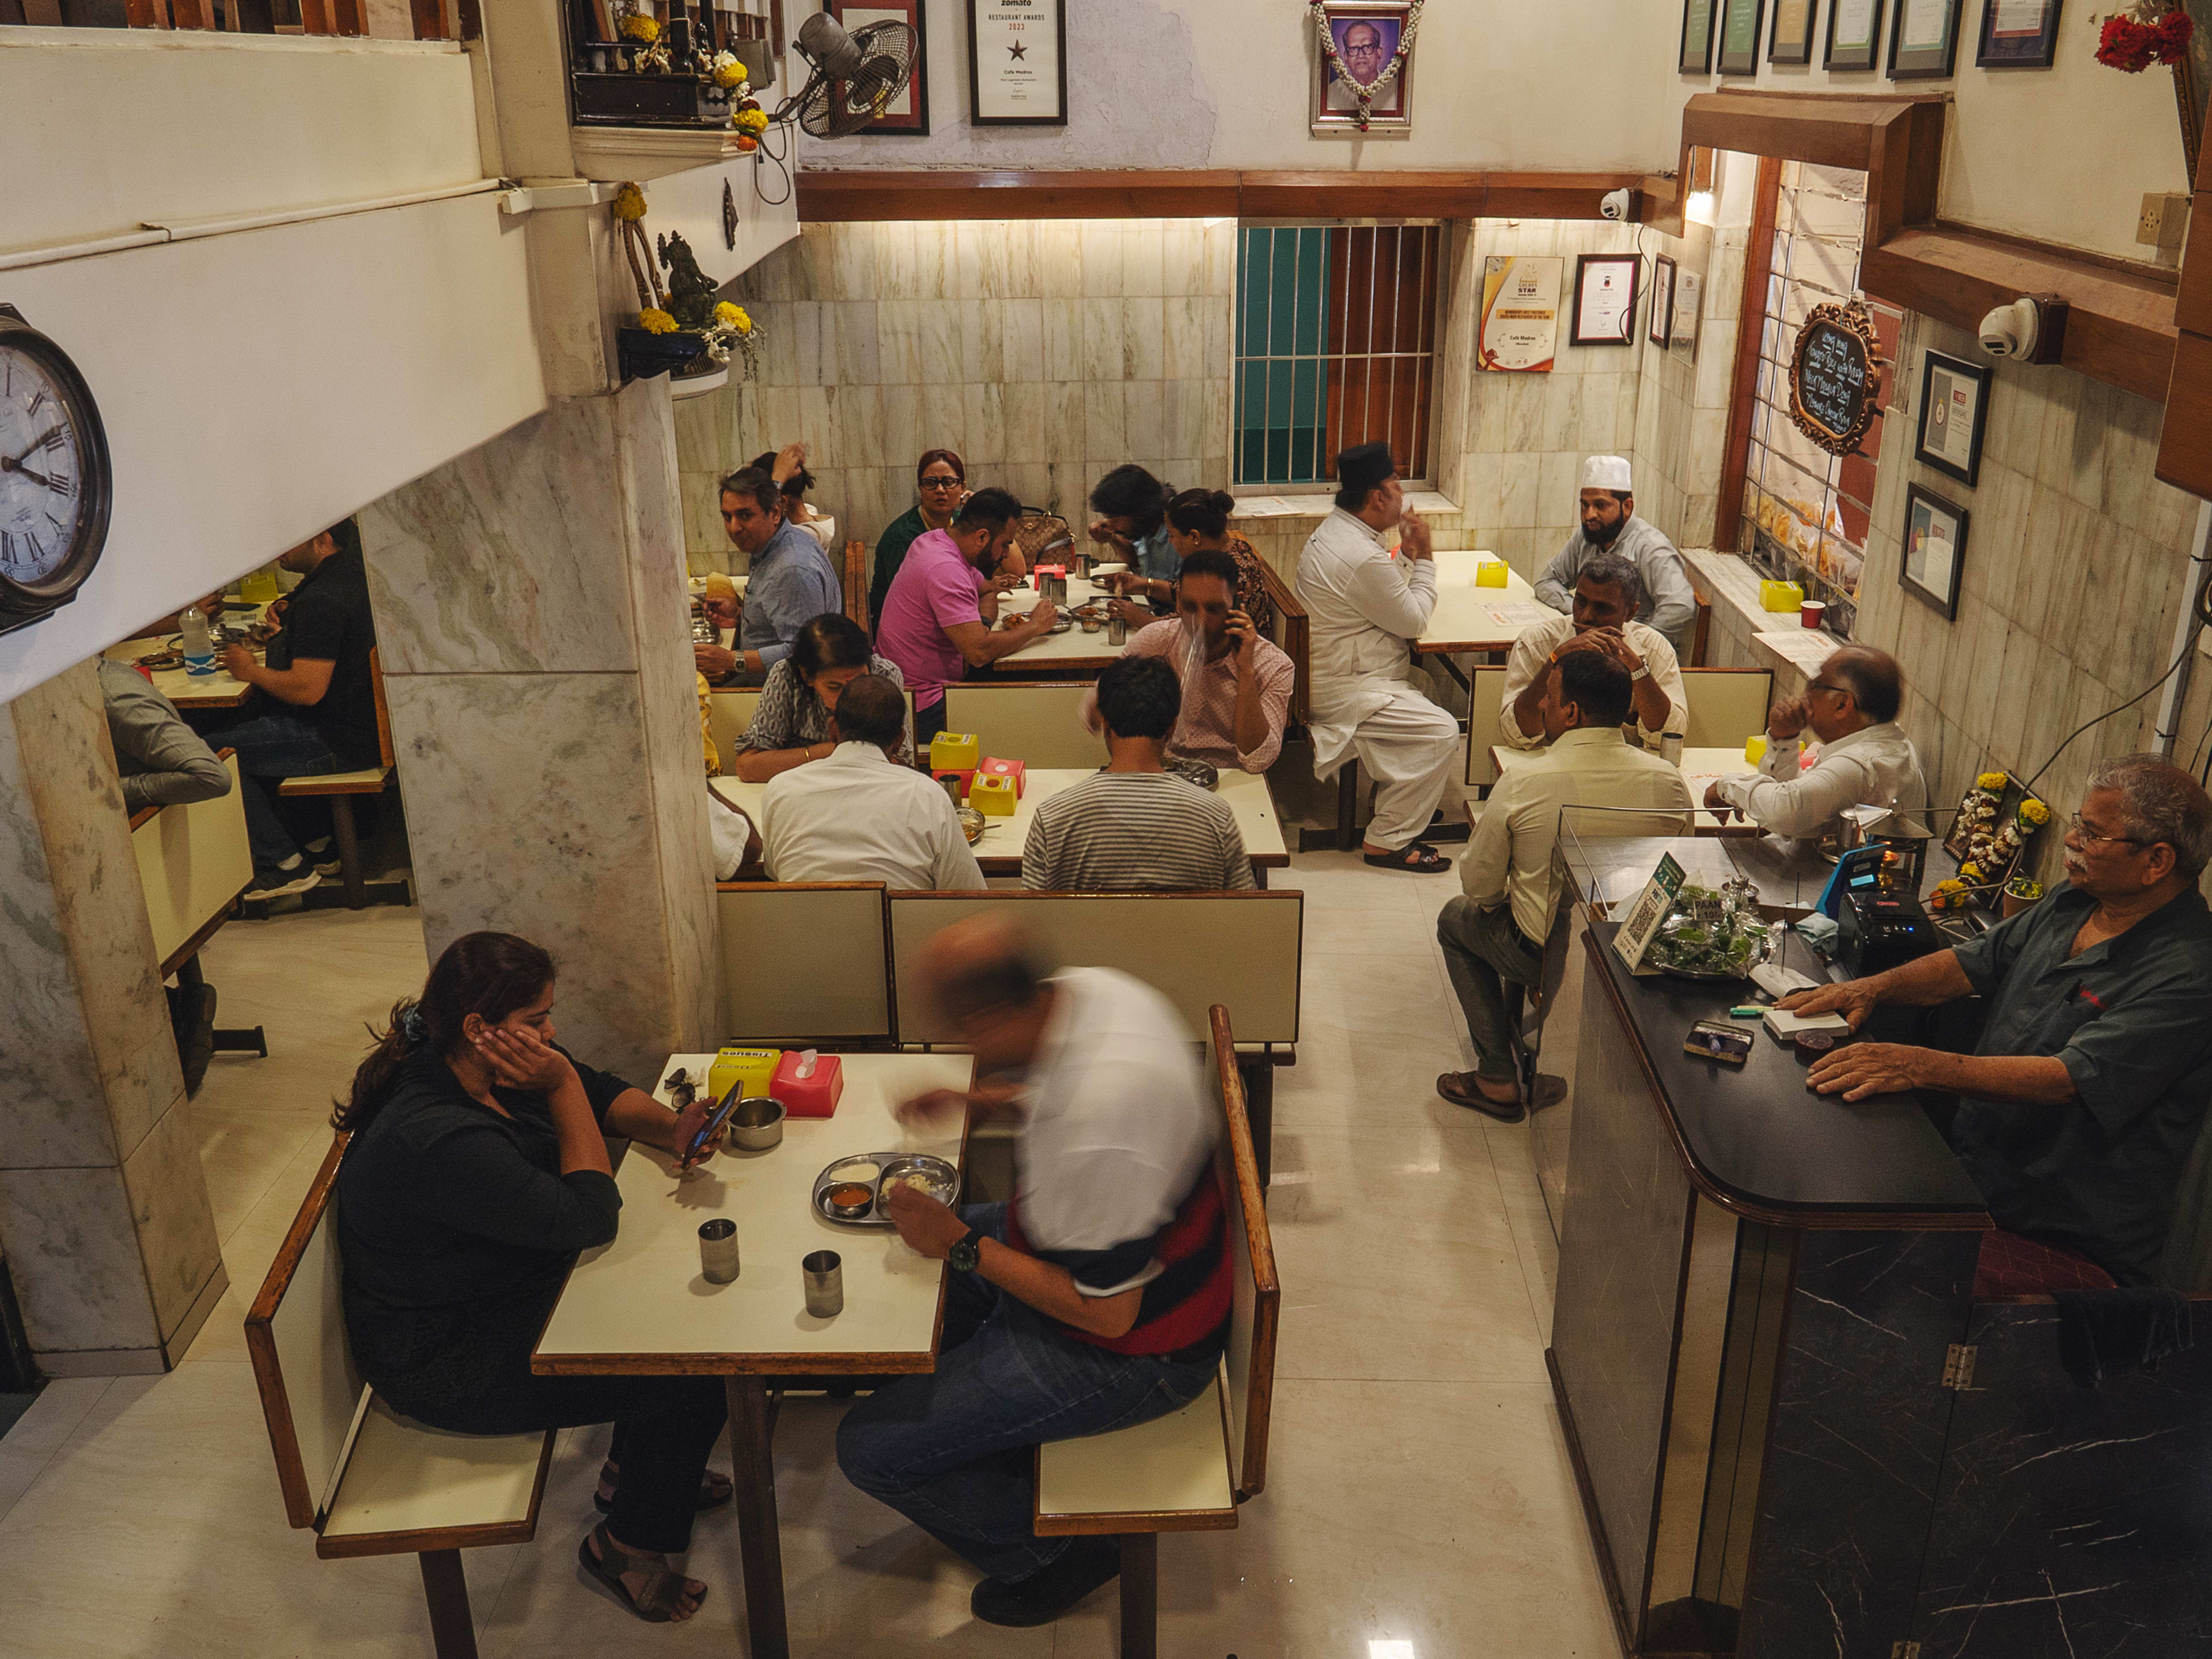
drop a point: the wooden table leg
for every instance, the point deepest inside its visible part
(452, 1632)
(1140, 1599)
(342, 827)
(759, 1545)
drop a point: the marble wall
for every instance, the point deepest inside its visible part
(531, 607)
(104, 1213)
(1682, 401)
(1045, 352)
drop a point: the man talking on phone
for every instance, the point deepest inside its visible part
(1236, 684)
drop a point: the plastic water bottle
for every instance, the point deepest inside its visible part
(199, 649)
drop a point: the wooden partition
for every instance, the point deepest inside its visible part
(1727, 705)
(730, 715)
(1486, 708)
(1242, 951)
(1291, 634)
(193, 862)
(806, 962)
(1039, 722)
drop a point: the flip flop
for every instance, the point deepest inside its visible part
(1417, 856)
(1462, 1088)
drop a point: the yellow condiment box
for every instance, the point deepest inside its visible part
(955, 751)
(993, 796)
(757, 1067)
(1754, 749)
(1491, 573)
(1781, 596)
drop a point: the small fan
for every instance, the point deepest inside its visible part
(854, 75)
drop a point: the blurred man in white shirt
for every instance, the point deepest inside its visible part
(1500, 932)
(1866, 760)
(860, 815)
(1363, 608)
(1609, 525)
(1606, 593)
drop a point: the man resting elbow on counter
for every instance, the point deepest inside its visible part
(1866, 759)
(2085, 1096)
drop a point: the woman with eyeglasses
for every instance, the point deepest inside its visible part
(941, 485)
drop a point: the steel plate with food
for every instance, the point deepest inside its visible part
(852, 1191)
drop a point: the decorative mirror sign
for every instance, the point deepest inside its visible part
(1835, 378)
(1363, 65)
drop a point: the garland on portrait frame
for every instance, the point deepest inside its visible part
(1364, 92)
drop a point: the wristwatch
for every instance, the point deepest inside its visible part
(1641, 671)
(967, 1256)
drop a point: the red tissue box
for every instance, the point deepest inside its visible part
(808, 1097)
(965, 777)
(1005, 768)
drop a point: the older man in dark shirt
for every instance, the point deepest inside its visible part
(2088, 1089)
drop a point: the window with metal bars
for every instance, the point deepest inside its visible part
(1336, 337)
(1805, 511)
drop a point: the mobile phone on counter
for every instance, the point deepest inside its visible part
(716, 1119)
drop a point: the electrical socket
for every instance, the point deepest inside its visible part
(2164, 221)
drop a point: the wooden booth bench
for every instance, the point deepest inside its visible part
(193, 864)
(339, 789)
(365, 1480)
(1188, 1471)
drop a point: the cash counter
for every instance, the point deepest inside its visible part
(1763, 1345)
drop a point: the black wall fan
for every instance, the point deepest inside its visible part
(853, 76)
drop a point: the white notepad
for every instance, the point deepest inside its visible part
(1786, 1025)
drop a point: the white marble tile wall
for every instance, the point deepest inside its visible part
(1045, 352)
(2075, 566)
(1682, 408)
(104, 1213)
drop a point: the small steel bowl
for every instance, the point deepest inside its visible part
(972, 823)
(1193, 771)
(757, 1124)
(853, 1212)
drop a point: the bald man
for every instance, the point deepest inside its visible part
(1097, 1297)
(1866, 760)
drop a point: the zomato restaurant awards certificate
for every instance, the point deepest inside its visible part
(1017, 60)
(1520, 312)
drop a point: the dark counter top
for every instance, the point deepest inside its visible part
(1758, 1141)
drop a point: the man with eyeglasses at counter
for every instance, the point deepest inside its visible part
(1865, 760)
(2085, 1098)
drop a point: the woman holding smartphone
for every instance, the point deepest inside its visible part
(476, 1173)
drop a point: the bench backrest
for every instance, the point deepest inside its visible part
(1040, 723)
(383, 710)
(856, 582)
(1241, 950)
(1293, 634)
(192, 862)
(310, 1394)
(730, 715)
(1257, 1296)
(1486, 707)
(1727, 705)
(804, 962)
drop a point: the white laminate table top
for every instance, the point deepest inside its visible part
(185, 690)
(640, 1304)
(1074, 648)
(999, 851)
(1701, 769)
(1468, 617)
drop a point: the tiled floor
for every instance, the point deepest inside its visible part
(1418, 1489)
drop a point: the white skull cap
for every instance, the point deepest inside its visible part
(1607, 472)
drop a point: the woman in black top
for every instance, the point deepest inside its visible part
(476, 1173)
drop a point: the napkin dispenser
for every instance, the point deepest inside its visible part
(994, 797)
(1014, 769)
(955, 751)
(755, 1067)
(809, 1083)
(1781, 596)
(1491, 573)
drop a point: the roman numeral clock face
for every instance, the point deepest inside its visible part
(53, 476)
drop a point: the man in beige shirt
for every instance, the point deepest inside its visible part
(1514, 873)
(1607, 591)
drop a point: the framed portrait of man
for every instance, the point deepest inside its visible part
(1365, 68)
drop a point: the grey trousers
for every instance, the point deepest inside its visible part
(1485, 951)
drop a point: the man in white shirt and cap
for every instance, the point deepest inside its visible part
(1609, 523)
(1363, 607)
(1866, 760)
(1605, 593)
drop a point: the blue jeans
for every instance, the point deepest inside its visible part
(271, 748)
(952, 1451)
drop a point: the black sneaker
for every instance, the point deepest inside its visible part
(1088, 1564)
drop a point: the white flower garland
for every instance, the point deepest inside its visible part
(1365, 91)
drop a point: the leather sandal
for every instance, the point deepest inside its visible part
(1465, 1089)
(664, 1587)
(715, 1490)
(1417, 856)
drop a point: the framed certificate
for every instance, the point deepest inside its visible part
(1854, 34)
(909, 113)
(1018, 63)
(1924, 39)
(1954, 409)
(1934, 550)
(1697, 37)
(1605, 300)
(1520, 312)
(1792, 39)
(1661, 327)
(1689, 298)
(2018, 34)
(1739, 20)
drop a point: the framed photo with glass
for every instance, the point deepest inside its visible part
(1954, 410)
(1934, 550)
(1854, 35)
(1374, 46)
(1739, 21)
(1661, 329)
(1924, 39)
(1792, 39)
(1697, 57)
(1605, 300)
(1017, 64)
(2018, 34)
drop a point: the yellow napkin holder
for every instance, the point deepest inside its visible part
(757, 1067)
(1491, 573)
(1781, 596)
(955, 751)
(993, 796)
(1754, 750)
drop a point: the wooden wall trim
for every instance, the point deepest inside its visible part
(1750, 333)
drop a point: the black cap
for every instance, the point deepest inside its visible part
(1363, 466)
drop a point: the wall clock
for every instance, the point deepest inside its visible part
(54, 479)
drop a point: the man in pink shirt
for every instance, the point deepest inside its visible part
(1236, 686)
(937, 616)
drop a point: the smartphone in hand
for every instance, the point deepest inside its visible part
(716, 1119)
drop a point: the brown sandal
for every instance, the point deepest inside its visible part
(715, 1490)
(1417, 856)
(664, 1586)
(1465, 1089)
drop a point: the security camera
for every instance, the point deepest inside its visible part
(1614, 204)
(2031, 329)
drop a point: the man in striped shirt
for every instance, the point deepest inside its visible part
(1135, 827)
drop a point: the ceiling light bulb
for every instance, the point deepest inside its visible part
(1392, 1649)
(1698, 210)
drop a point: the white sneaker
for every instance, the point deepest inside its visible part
(279, 884)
